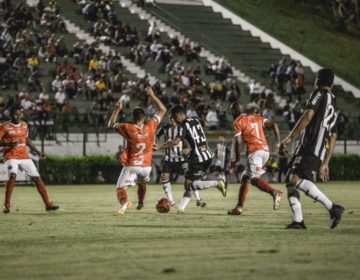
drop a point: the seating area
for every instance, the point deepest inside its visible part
(68, 83)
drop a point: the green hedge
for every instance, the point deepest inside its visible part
(104, 169)
(79, 170)
(345, 167)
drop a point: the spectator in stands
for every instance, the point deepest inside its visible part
(212, 119)
(56, 84)
(60, 98)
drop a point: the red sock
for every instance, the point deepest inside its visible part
(9, 189)
(42, 191)
(244, 188)
(121, 195)
(262, 185)
(141, 191)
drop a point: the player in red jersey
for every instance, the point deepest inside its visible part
(14, 138)
(249, 129)
(137, 155)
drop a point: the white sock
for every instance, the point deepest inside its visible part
(124, 206)
(310, 189)
(167, 190)
(185, 200)
(202, 185)
(295, 206)
(197, 195)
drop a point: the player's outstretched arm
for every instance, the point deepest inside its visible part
(30, 144)
(302, 123)
(114, 115)
(157, 101)
(168, 144)
(274, 127)
(324, 168)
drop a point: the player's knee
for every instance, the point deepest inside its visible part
(188, 194)
(245, 177)
(12, 176)
(164, 177)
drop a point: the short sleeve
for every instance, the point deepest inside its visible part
(238, 128)
(121, 128)
(315, 100)
(2, 131)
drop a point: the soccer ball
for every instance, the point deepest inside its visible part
(163, 205)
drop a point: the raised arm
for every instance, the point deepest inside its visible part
(324, 168)
(274, 127)
(157, 101)
(114, 115)
(303, 122)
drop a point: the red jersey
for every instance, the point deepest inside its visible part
(250, 128)
(139, 147)
(14, 133)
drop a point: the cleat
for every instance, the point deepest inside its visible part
(237, 211)
(180, 211)
(52, 207)
(172, 203)
(139, 206)
(221, 187)
(336, 212)
(277, 197)
(6, 210)
(123, 209)
(296, 225)
(200, 203)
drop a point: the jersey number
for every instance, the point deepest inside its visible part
(326, 123)
(141, 147)
(256, 127)
(195, 135)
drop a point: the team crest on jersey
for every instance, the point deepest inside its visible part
(142, 135)
(12, 132)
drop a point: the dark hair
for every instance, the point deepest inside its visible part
(325, 77)
(138, 114)
(236, 109)
(12, 110)
(177, 109)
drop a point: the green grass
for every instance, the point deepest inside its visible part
(85, 240)
(308, 29)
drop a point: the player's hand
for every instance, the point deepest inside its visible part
(149, 92)
(284, 143)
(155, 147)
(186, 152)
(324, 172)
(118, 106)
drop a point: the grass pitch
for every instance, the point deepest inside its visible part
(85, 240)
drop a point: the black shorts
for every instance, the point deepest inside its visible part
(174, 167)
(305, 166)
(197, 169)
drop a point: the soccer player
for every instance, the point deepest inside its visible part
(249, 129)
(14, 138)
(137, 155)
(317, 127)
(200, 156)
(222, 159)
(174, 161)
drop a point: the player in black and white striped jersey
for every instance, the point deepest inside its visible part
(221, 163)
(317, 127)
(200, 157)
(174, 161)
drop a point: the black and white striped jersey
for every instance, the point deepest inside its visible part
(221, 154)
(315, 137)
(191, 130)
(173, 154)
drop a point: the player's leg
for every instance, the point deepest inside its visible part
(141, 191)
(12, 169)
(256, 162)
(186, 196)
(142, 177)
(165, 179)
(294, 202)
(127, 178)
(243, 190)
(196, 171)
(30, 169)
